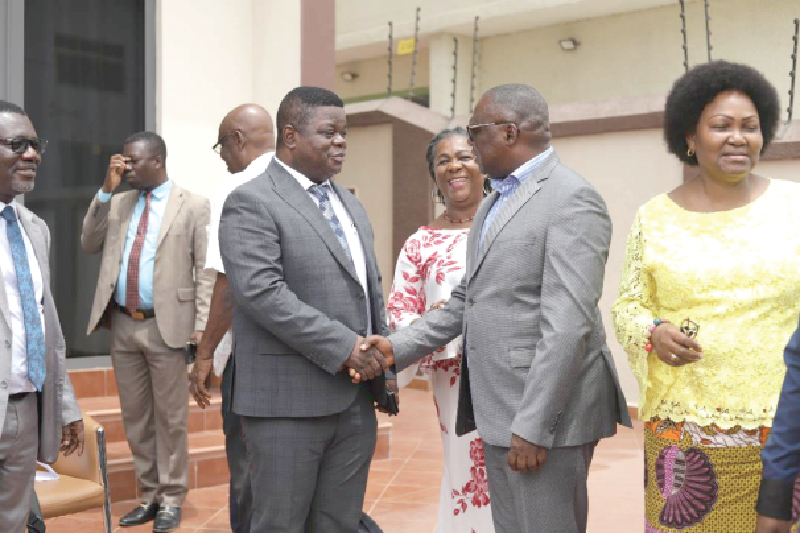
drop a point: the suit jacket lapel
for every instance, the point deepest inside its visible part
(174, 203)
(475, 233)
(526, 191)
(293, 194)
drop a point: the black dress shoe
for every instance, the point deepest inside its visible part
(167, 519)
(140, 515)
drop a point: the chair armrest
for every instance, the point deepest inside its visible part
(86, 466)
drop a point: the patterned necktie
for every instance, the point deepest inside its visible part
(320, 192)
(34, 333)
(132, 286)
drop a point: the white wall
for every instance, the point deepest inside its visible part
(627, 169)
(214, 56)
(639, 53)
(373, 74)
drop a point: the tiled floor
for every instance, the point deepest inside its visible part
(403, 492)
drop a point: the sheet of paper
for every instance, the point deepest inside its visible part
(45, 473)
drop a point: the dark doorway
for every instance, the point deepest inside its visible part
(85, 93)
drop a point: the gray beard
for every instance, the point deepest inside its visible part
(22, 187)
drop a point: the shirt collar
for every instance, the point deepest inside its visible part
(162, 190)
(510, 183)
(257, 165)
(304, 182)
(13, 205)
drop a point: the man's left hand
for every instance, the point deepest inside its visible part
(195, 337)
(525, 456)
(72, 438)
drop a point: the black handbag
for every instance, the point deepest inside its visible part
(368, 525)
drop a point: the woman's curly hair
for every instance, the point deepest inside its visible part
(693, 91)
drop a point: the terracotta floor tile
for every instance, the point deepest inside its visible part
(403, 491)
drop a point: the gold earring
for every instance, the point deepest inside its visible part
(690, 152)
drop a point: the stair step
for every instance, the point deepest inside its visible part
(106, 411)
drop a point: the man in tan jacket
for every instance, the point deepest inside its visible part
(153, 295)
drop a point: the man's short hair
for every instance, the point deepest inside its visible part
(8, 107)
(154, 140)
(296, 106)
(523, 102)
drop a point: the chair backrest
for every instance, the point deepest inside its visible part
(87, 465)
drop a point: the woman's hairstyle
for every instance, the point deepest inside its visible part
(430, 154)
(693, 91)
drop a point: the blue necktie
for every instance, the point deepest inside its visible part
(320, 192)
(34, 334)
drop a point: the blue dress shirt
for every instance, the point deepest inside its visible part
(158, 204)
(507, 186)
(781, 455)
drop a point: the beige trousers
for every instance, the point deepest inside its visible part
(18, 448)
(154, 396)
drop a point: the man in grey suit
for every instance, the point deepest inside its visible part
(540, 383)
(37, 405)
(299, 257)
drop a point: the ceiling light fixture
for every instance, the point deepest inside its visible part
(349, 75)
(569, 45)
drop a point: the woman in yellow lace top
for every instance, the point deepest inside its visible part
(723, 250)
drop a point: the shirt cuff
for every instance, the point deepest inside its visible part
(775, 499)
(103, 196)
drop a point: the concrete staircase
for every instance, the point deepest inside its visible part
(97, 395)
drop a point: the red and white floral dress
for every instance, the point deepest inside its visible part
(431, 264)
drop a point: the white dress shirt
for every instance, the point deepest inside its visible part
(19, 381)
(350, 232)
(213, 257)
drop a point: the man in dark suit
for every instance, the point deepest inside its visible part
(37, 405)
(299, 257)
(538, 379)
(781, 455)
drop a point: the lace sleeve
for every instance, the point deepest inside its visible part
(633, 310)
(407, 297)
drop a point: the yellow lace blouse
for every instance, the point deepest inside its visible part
(737, 274)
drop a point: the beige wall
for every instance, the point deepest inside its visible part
(213, 56)
(784, 170)
(640, 53)
(368, 168)
(373, 75)
(627, 169)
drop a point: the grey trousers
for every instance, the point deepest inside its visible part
(551, 500)
(154, 396)
(309, 475)
(19, 445)
(241, 494)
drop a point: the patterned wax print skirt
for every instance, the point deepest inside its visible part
(702, 479)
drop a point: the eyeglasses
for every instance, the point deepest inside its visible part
(472, 130)
(20, 146)
(218, 147)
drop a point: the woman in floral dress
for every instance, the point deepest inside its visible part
(430, 265)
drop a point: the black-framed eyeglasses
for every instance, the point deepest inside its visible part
(218, 147)
(472, 130)
(20, 146)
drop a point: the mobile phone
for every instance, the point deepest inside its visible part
(190, 352)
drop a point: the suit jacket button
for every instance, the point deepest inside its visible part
(8, 343)
(360, 295)
(471, 301)
(3, 384)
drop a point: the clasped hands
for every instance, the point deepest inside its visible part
(370, 358)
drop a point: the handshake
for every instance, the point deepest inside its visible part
(370, 358)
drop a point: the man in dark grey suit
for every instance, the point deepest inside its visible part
(543, 384)
(299, 256)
